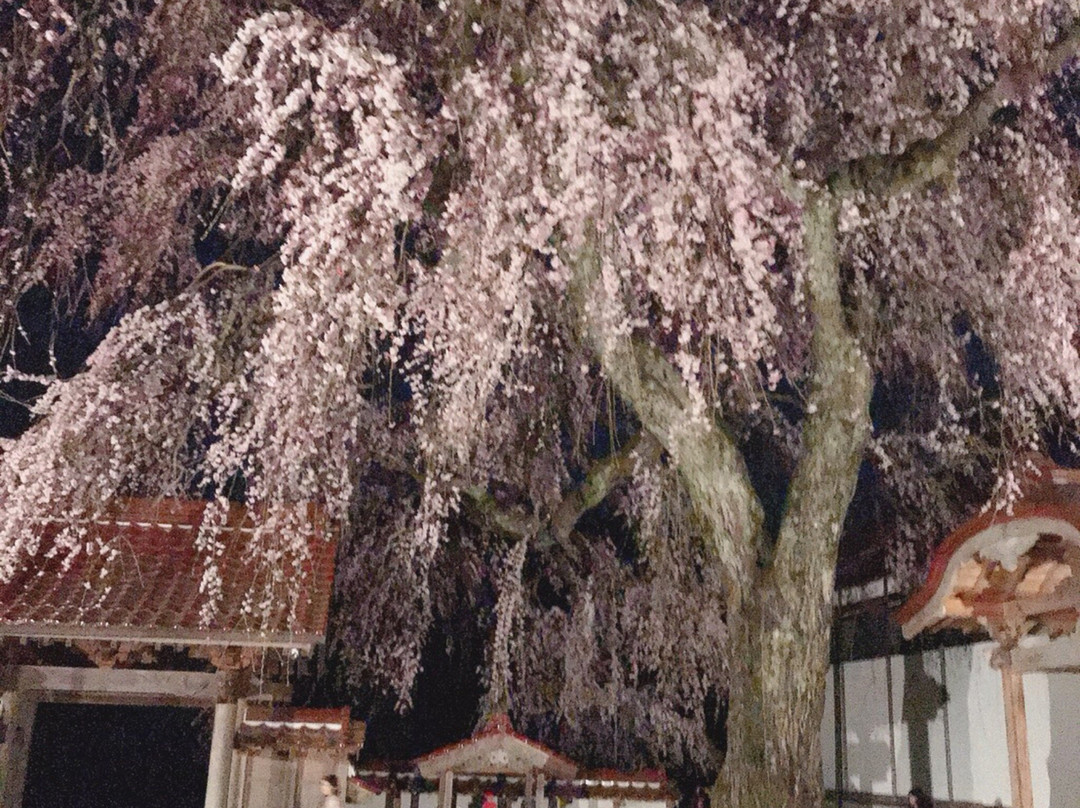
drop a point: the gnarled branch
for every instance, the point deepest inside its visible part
(703, 451)
(927, 160)
(558, 529)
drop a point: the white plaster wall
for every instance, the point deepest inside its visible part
(367, 799)
(608, 803)
(428, 799)
(1037, 707)
(315, 767)
(1063, 753)
(828, 734)
(869, 766)
(270, 783)
(978, 755)
(431, 799)
(966, 703)
(593, 803)
(901, 747)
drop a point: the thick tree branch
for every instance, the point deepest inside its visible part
(706, 456)
(927, 160)
(601, 479)
(837, 425)
(558, 529)
(509, 520)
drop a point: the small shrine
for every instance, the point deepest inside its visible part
(495, 757)
(500, 768)
(128, 619)
(284, 752)
(1013, 575)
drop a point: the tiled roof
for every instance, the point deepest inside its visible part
(496, 749)
(291, 729)
(147, 583)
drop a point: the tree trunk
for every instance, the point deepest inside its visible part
(779, 653)
(779, 656)
(779, 602)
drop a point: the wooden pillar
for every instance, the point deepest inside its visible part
(1012, 685)
(245, 784)
(19, 709)
(241, 774)
(240, 763)
(221, 743)
(446, 790)
(538, 790)
(528, 798)
(342, 772)
(393, 792)
(298, 760)
(840, 728)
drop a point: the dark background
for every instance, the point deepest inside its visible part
(95, 756)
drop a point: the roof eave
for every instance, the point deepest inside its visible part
(64, 632)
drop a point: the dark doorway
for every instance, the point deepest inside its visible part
(94, 756)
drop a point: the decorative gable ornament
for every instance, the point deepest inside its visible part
(496, 749)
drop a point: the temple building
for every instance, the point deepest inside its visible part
(1012, 575)
(967, 687)
(137, 616)
(499, 768)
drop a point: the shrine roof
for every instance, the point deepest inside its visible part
(291, 729)
(1012, 573)
(496, 749)
(137, 576)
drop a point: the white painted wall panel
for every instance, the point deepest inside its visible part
(270, 784)
(866, 713)
(901, 747)
(1037, 707)
(967, 704)
(978, 751)
(1063, 759)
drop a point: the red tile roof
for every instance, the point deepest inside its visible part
(497, 748)
(146, 585)
(297, 729)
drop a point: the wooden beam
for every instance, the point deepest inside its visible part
(1016, 734)
(446, 789)
(1062, 654)
(219, 773)
(64, 632)
(112, 685)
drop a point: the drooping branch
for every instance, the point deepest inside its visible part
(704, 452)
(924, 161)
(508, 520)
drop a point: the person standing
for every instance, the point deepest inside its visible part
(917, 798)
(329, 787)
